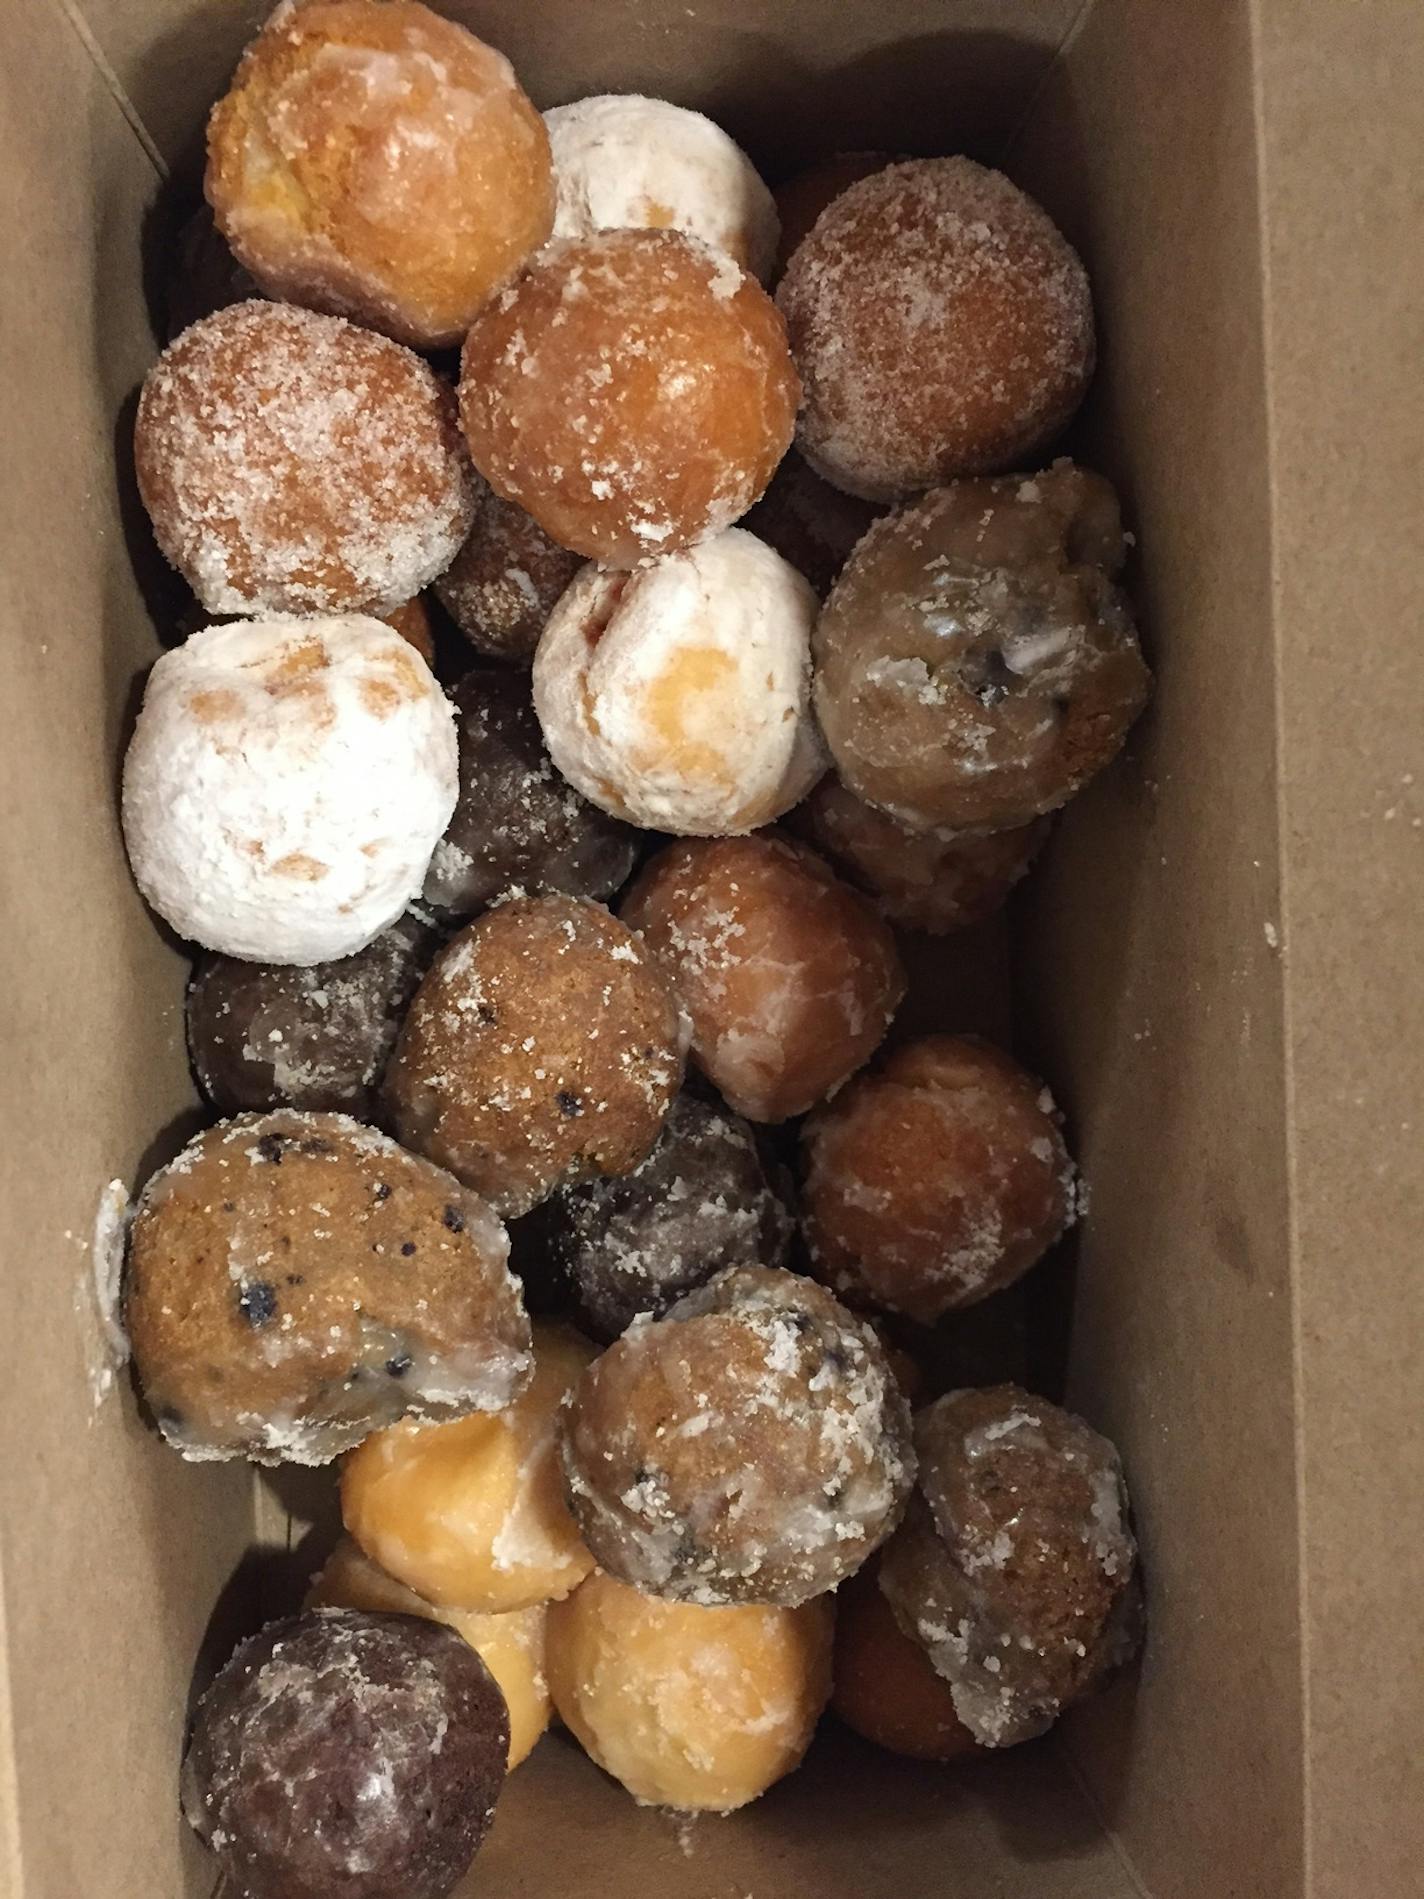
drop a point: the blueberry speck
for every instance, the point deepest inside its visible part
(398, 1366)
(570, 1106)
(314, 1144)
(383, 1192)
(228, 1207)
(407, 1248)
(296, 1279)
(487, 1013)
(454, 1219)
(270, 1148)
(257, 1302)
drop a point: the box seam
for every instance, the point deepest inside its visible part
(1110, 1833)
(12, 1862)
(1283, 886)
(1045, 79)
(70, 12)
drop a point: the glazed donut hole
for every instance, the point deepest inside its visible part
(936, 1180)
(633, 391)
(750, 1446)
(934, 881)
(788, 976)
(699, 1203)
(625, 162)
(1016, 1567)
(294, 463)
(313, 1712)
(942, 326)
(505, 581)
(679, 697)
(517, 824)
(295, 1281)
(271, 1035)
(285, 786)
(510, 1646)
(381, 163)
(470, 1514)
(543, 1048)
(976, 664)
(886, 1688)
(696, 1709)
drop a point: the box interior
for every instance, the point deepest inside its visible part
(1192, 1315)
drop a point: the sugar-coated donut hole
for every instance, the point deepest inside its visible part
(268, 1035)
(471, 1514)
(296, 463)
(285, 785)
(381, 163)
(295, 1281)
(312, 1712)
(622, 161)
(942, 325)
(886, 1687)
(696, 1709)
(935, 881)
(1016, 1567)
(976, 663)
(788, 976)
(543, 1048)
(750, 1446)
(511, 1646)
(679, 697)
(633, 391)
(934, 1180)
(802, 198)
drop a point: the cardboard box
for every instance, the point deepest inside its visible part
(1216, 967)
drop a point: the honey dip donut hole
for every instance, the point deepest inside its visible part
(293, 463)
(633, 391)
(942, 325)
(379, 162)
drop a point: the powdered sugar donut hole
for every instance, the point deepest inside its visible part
(633, 391)
(293, 463)
(752, 1446)
(942, 324)
(625, 162)
(379, 162)
(678, 697)
(936, 1181)
(286, 784)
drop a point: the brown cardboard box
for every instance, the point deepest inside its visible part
(1219, 966)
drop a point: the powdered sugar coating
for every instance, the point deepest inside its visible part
(678, 697)
(295, 1281)
(505, 581)
(633, 391)
(975, 663)
(788, 977)
(935, 881)
(293, 463)
(622, 161)
(341, 1755)
(942, 324)
(700, 1202)
(543, 1048)
(1016, 1566)
(517, 823)
(379, 162)
(695, 1709)
(751, 1446)
(286, 784)
(935, 1181)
